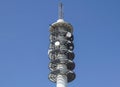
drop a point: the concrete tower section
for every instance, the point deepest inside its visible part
(61, 52)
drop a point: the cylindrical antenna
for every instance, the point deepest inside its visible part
(60, 10)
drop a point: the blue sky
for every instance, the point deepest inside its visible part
(24, 41)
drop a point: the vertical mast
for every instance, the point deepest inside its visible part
(60, 13)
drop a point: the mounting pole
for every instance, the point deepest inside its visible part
(60, 10)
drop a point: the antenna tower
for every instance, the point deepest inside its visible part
(60, 52)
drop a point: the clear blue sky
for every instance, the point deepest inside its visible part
(24, 41)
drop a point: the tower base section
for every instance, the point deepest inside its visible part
(61, 81)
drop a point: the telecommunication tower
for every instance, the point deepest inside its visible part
(61, 51)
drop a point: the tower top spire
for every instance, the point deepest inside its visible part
(60, 14)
